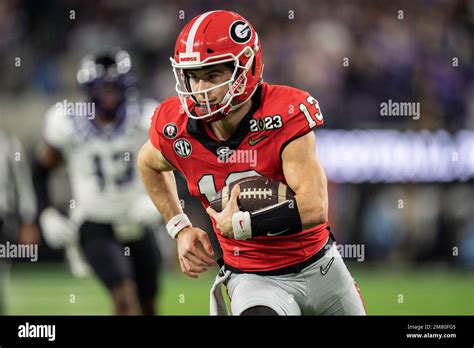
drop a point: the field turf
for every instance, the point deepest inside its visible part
(49, 289)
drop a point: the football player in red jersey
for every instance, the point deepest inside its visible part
(224, 109)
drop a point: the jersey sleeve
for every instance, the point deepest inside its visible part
(148, 110)
(57, 129)
(153, 132)
(304, 115)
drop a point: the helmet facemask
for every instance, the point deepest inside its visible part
(236, 85)
(107, 80)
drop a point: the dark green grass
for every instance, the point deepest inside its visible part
(49, 289)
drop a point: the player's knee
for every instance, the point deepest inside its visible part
(259, 310)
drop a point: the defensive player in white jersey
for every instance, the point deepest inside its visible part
(110, 214)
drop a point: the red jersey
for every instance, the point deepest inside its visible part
(279, 114)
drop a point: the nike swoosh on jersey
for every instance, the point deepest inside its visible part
(253, 142)
(270, 234)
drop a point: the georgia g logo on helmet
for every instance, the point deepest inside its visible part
(240, 32)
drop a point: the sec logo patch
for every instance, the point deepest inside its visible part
(183, 148)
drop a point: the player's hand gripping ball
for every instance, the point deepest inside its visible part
(248, 194)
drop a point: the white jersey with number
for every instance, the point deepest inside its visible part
(101, 161)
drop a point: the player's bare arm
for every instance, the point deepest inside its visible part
(157, 176)
(194, 248)
(48, 157)
(305, 176)
(58, 231)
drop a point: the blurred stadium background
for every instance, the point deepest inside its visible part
(399, 186)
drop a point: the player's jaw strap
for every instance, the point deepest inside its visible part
(277, 220)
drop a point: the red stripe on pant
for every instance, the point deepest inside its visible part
(360, 295)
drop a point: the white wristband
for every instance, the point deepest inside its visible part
(241, 225)
(177, 223)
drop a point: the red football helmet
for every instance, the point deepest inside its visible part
(213, 38)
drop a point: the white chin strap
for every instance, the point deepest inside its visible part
(227, 98)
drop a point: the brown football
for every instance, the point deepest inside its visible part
(256, 192)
